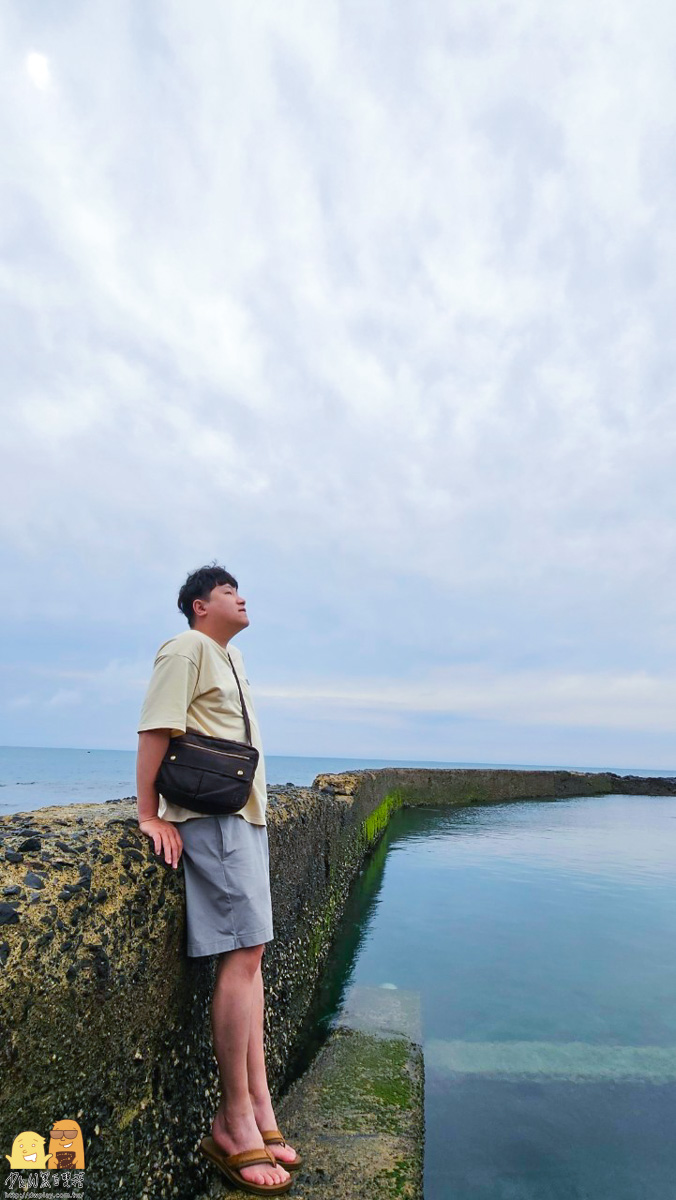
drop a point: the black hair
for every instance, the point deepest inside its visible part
(199, 586)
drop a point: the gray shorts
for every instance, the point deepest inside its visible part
(226, 867)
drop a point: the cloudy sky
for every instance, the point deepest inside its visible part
(374, 303)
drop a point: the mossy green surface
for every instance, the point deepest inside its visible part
(396, 1181)
(377, 821)
(357, 1117)
(368, 1083)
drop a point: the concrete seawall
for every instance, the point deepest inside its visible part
(102, 1017)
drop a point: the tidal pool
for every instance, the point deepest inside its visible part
(540, 938)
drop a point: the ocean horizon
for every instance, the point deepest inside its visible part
(33, 777)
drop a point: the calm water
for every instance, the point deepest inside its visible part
(36, 777)
(540, 939)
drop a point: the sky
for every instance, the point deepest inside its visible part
(373, 304)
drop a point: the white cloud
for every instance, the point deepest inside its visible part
(635, 700)
(357, 294)
(38, 70)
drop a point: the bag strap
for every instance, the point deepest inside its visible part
(245, 714)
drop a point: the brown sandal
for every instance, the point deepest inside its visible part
(273, 1137)
(229, 1164)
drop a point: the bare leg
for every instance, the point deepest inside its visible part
(234, 1128)
(258, 1081)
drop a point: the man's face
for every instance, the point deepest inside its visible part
(226, 605)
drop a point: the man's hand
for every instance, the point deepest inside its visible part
(165, 837)
(152, 745)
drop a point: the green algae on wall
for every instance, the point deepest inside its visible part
(376, 822)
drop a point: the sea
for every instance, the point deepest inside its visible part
(37, 777)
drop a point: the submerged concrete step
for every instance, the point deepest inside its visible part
(552, 1060)
(382, 1011)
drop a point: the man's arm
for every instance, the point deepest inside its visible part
(152, 745)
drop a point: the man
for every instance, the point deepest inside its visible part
(225, 863)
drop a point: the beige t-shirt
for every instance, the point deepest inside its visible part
(193, 687)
